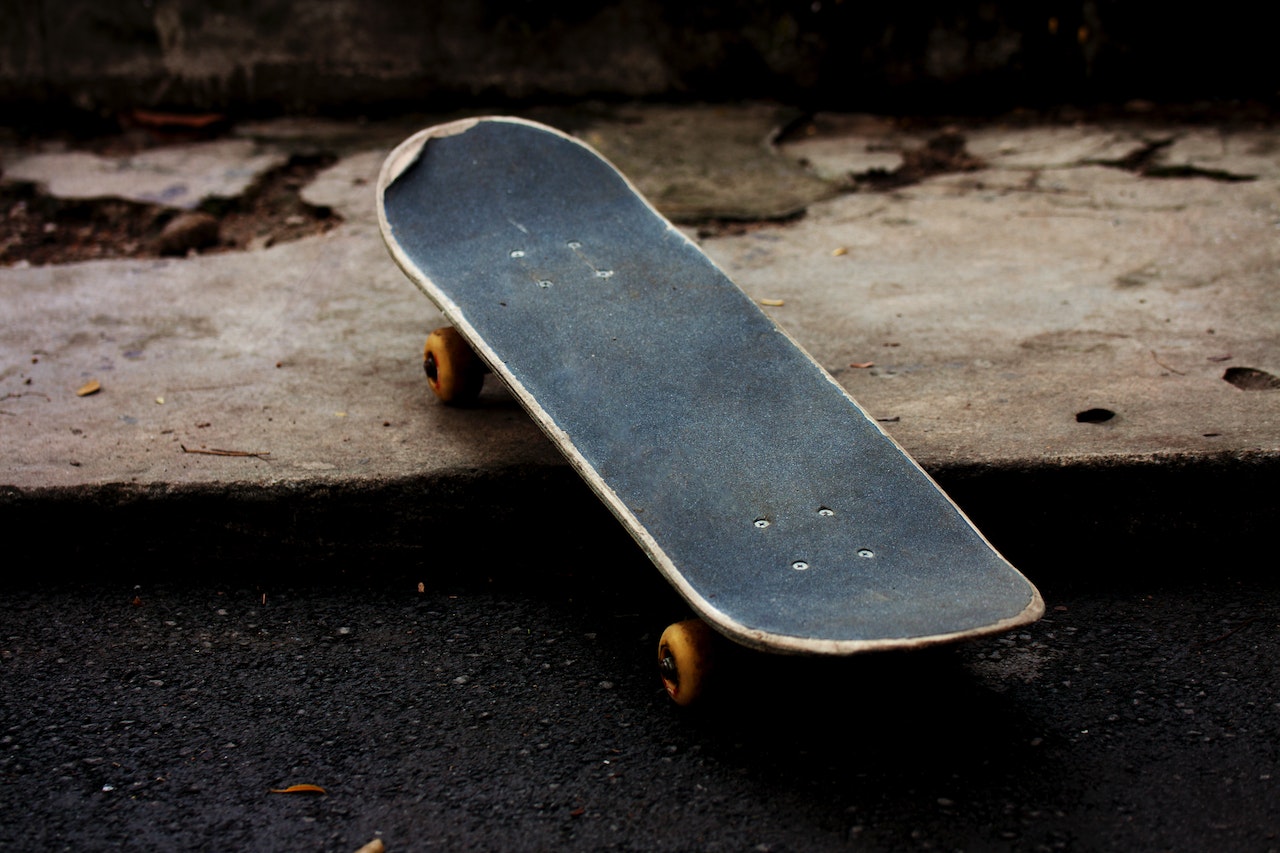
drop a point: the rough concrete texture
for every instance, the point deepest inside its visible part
(304, 353)
(975, 313)
(998, 304)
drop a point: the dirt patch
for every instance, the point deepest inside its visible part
(737, 227)
(40, 229)
(944, 153)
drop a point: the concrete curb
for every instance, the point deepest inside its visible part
(978, 313)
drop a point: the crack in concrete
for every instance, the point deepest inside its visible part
(1144, 161)
(945, 153)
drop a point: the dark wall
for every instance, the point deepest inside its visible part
(304, 55)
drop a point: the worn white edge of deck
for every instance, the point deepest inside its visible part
(405, 155)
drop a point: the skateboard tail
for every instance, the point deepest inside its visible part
(778, 607)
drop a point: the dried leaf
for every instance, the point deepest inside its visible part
(773, 303)
(300, 789)
(374, 846)
(90, 387)
(836, 253)
(863, 365)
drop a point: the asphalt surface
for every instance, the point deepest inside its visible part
(512, 703)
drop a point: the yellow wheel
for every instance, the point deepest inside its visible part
(685, 659)
(454, 372)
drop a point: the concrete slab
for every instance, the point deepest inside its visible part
(178, 176)
(978, 314)
(1014, 298)
(305, 355)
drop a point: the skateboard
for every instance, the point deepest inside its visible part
(782, 513)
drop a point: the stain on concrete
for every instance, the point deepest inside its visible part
(1072, 341)
(700, 164)
(1138, 277)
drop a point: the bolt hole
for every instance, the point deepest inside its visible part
(1251, 379)
(866, 553)
(827, 512)
(762, 523)
(800, 565)
(1094, 416)
(517, 253)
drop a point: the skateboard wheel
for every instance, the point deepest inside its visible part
(454, 372)
(685, 659)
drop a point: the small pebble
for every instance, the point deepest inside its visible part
(188, 232)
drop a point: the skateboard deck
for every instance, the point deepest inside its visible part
(764, 494)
